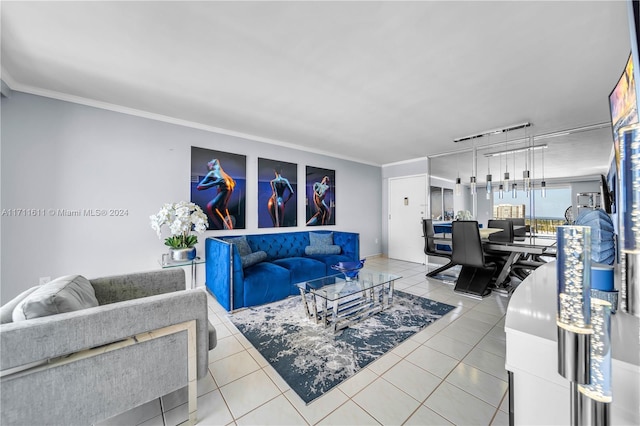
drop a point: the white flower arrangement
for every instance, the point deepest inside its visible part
(181, 218)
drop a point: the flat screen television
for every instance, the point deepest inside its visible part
(623, 105)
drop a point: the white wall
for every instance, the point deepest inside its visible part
(61, 155)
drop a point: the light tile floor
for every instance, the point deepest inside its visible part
(450, 373)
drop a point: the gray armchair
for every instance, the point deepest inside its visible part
(148, 337)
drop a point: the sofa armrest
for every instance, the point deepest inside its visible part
(224, 274)
(350, 243)
(38, 339)
(118, 288)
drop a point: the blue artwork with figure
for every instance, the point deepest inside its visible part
(218, 186)
(277, 194)
(321, 196)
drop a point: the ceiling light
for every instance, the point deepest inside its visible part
(499, 130)
(515, 150)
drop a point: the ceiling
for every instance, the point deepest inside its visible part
(378, 82)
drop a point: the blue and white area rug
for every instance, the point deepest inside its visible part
(311, 359)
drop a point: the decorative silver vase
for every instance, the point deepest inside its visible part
(182, 254)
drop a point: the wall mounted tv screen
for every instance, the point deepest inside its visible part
(623, 105)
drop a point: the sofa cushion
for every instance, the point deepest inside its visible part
(302, 269)
(331, 259)
(324, 249)
(242, 245)
(64, 294)
(320, 239)
(264, 282)
(253, 258)
(6, 311)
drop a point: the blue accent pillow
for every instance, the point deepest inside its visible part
(317, 239)
(253, 258)
(241, 243)
(314, 250)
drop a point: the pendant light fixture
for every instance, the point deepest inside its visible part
(489, 177)
(472, 180)
(526, 176)
(501, 186)
(458, 187)
(514, 185)
(506, 163)
(505, 184)
(543, 184)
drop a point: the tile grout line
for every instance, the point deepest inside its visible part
(444, 379)
(350, 398)
(460, 362)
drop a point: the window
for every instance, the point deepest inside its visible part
(548, 212)
(441, 203)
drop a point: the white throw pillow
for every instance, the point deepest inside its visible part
(64, 294)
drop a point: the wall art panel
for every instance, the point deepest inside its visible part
(218, 186)
(320, 191)
(277, 194)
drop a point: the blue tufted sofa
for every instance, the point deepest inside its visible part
(275, 278)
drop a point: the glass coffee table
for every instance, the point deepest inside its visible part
(338, 302)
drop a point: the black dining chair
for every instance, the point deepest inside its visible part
(467, 251)
(430, 248)
(506, 236)
(520, 233)
(523, 266)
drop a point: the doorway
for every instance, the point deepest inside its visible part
(407, 208)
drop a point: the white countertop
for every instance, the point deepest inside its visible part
(532, 310)
(532, 356)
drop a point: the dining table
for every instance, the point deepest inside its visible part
(445, 239)
(517, 251)
(486, 232)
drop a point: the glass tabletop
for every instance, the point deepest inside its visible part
(334, 287)
(174, 263)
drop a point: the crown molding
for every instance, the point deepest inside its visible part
(398, 163)
(18, 87)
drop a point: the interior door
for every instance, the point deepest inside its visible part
(407, 208)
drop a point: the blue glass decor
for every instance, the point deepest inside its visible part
(349, 269)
